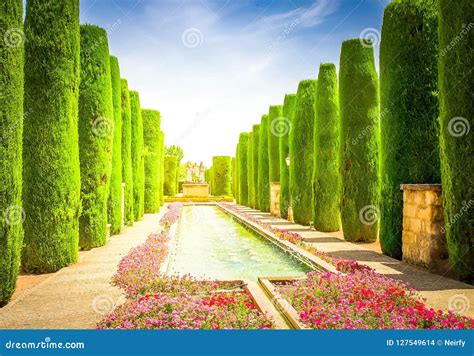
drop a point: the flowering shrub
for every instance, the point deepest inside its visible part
(171, 216)
(364, 300)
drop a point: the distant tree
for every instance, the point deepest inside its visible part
(175, 150)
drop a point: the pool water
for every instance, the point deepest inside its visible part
(211, 244)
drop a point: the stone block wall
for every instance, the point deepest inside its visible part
(275, 198)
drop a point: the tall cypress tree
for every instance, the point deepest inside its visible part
(243, 167)
(276, 128)
(222, 175)
(138, 166)
(301, 152)
(250, 169)
(234, 175)
(284, 146)
(151, 139)
(255, 145)
(456, 85)
(170, 164)
(161, 166)
(237, 179)
(409, 107)
(50, 137)
(127, 171)
(115, 191)
(96, 128)
(263, 166)
(359, 141)
(326, 178)
(11, 129)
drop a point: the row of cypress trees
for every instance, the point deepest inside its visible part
(352, 151)
(62, 163)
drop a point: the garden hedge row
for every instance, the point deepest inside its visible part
(250, 171)
(456, 85)
(127, 171)
(274, 132)
(51, 201)
(151, 140)
(169, 182)
(96, 127)
(254, 181)
(243, 167)
(263, 166)
(301, 152)
(237, 179)
(222, 177)
(284, 146)
(233, 176)
(138, 166)
(359, 141)
(115, 191)
(409, 105)
(161, 167)
(326, 177)
(11, 128)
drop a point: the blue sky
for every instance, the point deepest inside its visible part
(212, 67)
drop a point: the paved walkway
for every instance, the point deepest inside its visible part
(77, 296)
(440, 292)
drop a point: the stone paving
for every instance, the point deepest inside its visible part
(440, 292)
(77, 296)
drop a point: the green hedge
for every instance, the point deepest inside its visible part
(51, 201)
(284, 146)
(275, 128)
(222, 179)
(263, 166)
(409, 107)
(237, 179)
(96, 127)
(115, 194)
(254, 181)
(138, 166)
(326, 178)
(161, 167)
(456, 85)
(301, 152)
(11, 127)
(169, 182)
(250, 171)
(243, 169)
(359, 141)
(127, 171)
(151, 139)
(233, 176)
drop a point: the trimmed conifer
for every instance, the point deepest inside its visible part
(243, 168)
(250, 171)
(161, 167)
(138, 166)
(255, 145)
(263, 166)
(276, 127)
(222, 178)
(233, 176)
(359, 141)
(127, 171)
(170, 164)
(151, 140)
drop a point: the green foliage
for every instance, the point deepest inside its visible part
(456, 85)
(284, 147)
(96, 126)
(237, 179)
(11, 128)
(127, 171)
(233, 176)
(276, 127)
(243, 169)
(161, 167)
(151, 139)
(138, 164)
(115, 192)
(301, 152)
(169, 183)
(51, 176)
(175, 150)
(222, 178)
(359, 141)
(263, 166)
(250, 171)
(326, 177)
(409, 110)
(254, 181)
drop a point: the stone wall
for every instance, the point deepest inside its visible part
(275, 198)
(196, 190)
(424, 241)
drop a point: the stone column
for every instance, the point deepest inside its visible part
(275, 198)
(423, 238)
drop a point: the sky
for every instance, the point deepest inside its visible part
(213, 67)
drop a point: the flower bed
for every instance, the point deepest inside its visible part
(157, 301)
(364, 300)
